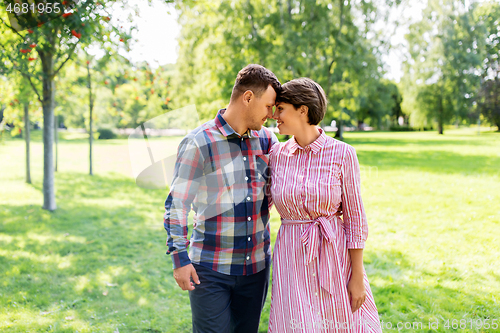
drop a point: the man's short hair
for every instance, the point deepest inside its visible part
(304, 91)
(255, 78)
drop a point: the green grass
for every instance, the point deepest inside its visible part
(98, 263)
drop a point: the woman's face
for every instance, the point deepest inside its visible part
(289, 119)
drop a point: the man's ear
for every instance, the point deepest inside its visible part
(247, 97)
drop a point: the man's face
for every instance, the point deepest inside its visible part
(261, 108)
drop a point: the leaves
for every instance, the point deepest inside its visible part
(318, 39)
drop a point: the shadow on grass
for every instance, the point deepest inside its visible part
(97, 263)
(405, 293)
(431, 161)
(427, 140)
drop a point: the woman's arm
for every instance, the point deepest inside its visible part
(355, 226)
(356, 286)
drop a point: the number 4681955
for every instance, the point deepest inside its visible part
(471, 323)
(41, 8)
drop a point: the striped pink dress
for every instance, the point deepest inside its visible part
(316, 191)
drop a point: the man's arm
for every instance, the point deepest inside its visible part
(187, 175)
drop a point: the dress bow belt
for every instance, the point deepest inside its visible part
(320, 242)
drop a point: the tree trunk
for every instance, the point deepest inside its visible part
(27, 138)
(91, 106)
(49, 197)
(441, 113)
(56, 137)
(340, 127)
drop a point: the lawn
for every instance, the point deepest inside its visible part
(98, 263)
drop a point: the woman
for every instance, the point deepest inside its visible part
(319, 283)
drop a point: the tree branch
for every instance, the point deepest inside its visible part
(11, 28)
(23, 73)
(70, 53)
(33, 86)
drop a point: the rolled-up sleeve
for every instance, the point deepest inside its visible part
(187, 175)
(354, 216)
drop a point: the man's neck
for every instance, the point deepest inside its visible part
(233, 116)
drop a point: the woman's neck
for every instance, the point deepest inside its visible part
(307, 135)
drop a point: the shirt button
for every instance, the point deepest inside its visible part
(249, 239)
(244, 158)
(248, 257)
(241, 139)
(249, 218)
(246, 178)
(248, 198)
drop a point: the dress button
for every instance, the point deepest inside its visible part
(314, 274)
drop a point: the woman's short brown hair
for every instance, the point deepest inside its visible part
(304, 91)
(255, 78)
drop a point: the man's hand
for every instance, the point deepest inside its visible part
(182, 276)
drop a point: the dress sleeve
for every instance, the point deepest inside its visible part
(354, 217)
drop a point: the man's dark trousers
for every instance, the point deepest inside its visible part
(227, 303)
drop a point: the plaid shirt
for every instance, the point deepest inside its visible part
(225, 178)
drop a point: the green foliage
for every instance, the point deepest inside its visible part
(398, 128)
(106, 133)
(453, 50)
(15, 92)
(489, 104)
(323, 40)
(488, 16)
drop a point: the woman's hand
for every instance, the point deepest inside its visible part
(357, 292)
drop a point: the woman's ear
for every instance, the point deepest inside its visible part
(303, 109)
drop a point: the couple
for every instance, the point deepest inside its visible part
(222, 173)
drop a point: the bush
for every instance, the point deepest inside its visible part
(398, 128)
(106, 133)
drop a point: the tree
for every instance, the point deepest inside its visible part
(324, 40)
(54, 35)
(443, 62)
(487, 15)
(489, 104)
(18, 96)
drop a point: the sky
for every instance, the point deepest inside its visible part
(158, 31)
(156, 34)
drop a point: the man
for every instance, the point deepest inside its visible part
(221, 171)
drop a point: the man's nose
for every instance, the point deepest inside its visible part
(270, 114)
